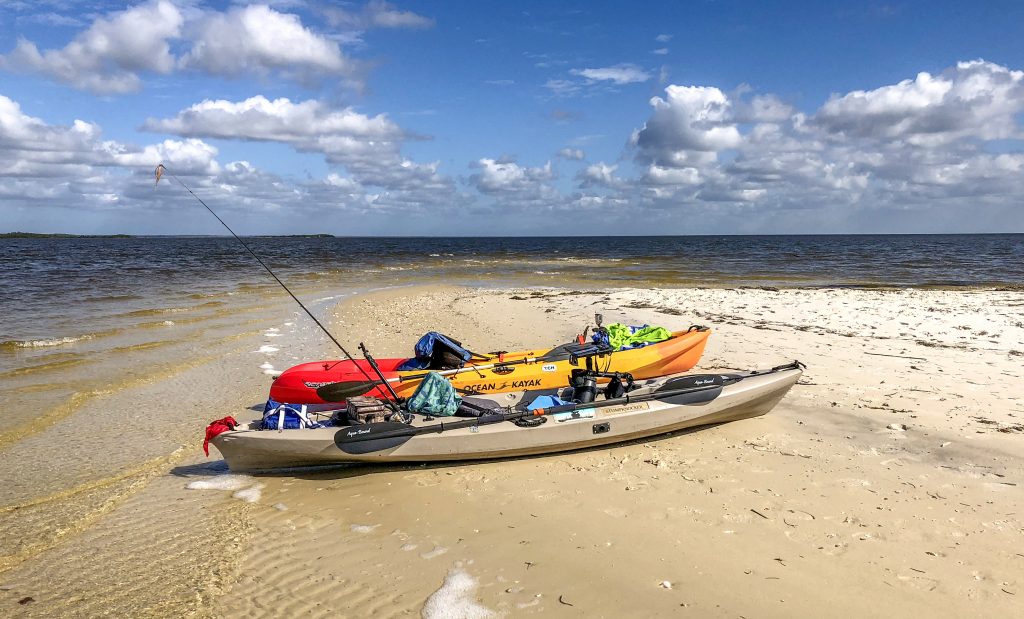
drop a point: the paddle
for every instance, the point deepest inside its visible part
(343, 390)
(373, 437)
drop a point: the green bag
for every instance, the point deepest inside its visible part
(622, 336)
(435, 397)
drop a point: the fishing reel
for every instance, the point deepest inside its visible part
(584, 385)
(598, 330)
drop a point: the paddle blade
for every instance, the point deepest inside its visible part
(689, 382)
(339, 392)
(699, 395)
(371, 437)
(701, 388)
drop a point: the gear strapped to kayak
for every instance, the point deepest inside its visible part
(655, 406)
(322, 382)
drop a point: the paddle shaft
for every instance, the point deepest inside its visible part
(565, 408)
(376, 368)
(358, 388)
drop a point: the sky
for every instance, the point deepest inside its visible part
(513, 118)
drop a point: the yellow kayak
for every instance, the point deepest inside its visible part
(513, 371)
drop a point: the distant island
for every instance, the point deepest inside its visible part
(39, 235)
(36, 235)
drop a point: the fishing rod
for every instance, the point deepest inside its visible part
(162, 169)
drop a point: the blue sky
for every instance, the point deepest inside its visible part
(512, 118)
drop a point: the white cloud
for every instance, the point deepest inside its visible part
(617, 74)
(279, 120)
(978, 99)
(73, 166)
(515, 184)
(112, 55)
(31, 148)
(663, 38)
(377, 14)
(107, 57)
(919, 144)
(368, 147)
(763, 108)
(689, 126)
(599, 175)
(51, 168)
(497, 176)
(258, 39)
(573, 154)
(661, 51)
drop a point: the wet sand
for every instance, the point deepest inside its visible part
(889, 482)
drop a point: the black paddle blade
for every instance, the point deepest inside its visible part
(689, 382)
(339, 392)
(371, 437)
(699, 395)
(705, 387)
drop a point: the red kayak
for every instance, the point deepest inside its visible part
(515, 371)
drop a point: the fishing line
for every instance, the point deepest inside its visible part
(161, 169)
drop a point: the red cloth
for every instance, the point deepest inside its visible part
(215, 428)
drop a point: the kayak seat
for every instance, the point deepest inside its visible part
(568, 349)
(475, 407)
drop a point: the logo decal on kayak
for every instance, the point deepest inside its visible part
(501, 370)
(626, 408)
(549, 367)
(504, 385)
(318, 385)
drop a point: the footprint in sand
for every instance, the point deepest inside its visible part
(436, 552)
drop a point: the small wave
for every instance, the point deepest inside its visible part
(44, 367)
(57, 341)
(155, 312)
(116, 297)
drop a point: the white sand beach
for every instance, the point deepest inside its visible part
(888, 482)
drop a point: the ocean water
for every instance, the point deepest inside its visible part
(59, 291)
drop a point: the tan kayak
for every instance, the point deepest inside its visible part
(658, 406)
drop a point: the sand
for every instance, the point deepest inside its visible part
(888, 482)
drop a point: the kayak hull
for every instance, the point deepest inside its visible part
(680, 353)
(756, 394)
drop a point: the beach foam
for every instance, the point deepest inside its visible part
(267, 349)
(221, 482)
(241, 486)
(454, 600)
(250, 495)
